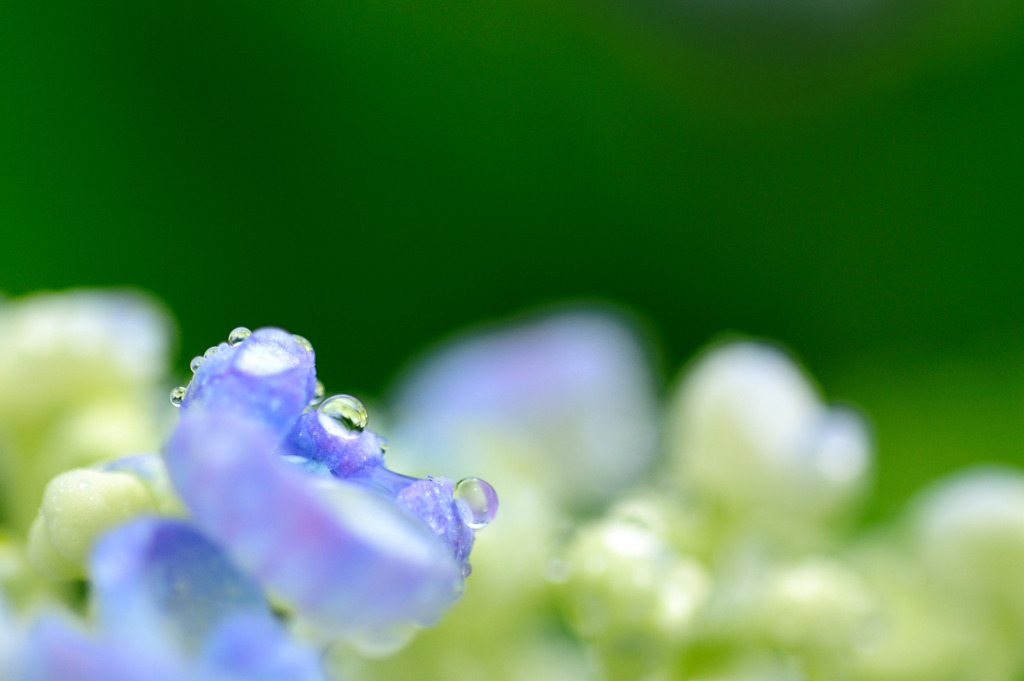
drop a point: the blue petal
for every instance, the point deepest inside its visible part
(343, 556)
(58, 651)
(170, 607)
(358, 457)
(431, 501)
(269, 375)
(343, 456)
(154, 574)
(250, 648)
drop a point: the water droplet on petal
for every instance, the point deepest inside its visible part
(211, 351)
(383, 444)
(479, 501)
(238, 335)
(178, 395)
(196, 362)
(306, 345)
(346, 410)
(318, 392)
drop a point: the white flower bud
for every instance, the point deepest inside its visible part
(971, 532)
(749, 432)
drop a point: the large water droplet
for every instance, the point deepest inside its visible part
(478, 501)
(306, 345)
(238, 334)
(346, 410)
(178, 395)
(196, 362)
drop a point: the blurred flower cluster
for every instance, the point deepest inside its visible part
(255, 527)
(712, 534)
(268, 528)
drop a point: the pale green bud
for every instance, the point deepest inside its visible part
(23, 586)
(45, 558)
(79, 506)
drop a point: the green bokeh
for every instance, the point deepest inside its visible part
(375, 175)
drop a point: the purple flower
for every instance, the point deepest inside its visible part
(301, 498)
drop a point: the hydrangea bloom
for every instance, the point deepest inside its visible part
(269, 477)
(301, 498)
(728, 558)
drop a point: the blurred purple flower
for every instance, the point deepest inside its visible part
(169, 605)
(570, 393)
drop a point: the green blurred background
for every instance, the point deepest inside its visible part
(375, 174)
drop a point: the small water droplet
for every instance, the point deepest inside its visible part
(211, 351)
(478, 500)
(83, 484)
(306, 345)
(178, 395)
(346, 410)
(383, 444)
(238, 334)
(196, 362)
